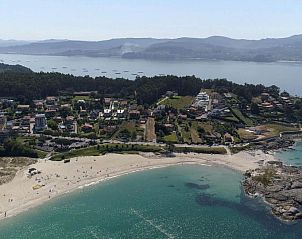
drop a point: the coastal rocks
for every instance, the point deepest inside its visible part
(296, 185)
(280, 186)
(275, 144)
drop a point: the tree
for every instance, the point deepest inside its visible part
(52, 124)
(255, 109)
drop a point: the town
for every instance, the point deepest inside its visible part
(209, 122)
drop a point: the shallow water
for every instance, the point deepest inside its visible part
(292, 156)
(174, 202)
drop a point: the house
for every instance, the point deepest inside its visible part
(39, 104)
(134, 114)
(121, 114)
(202, 101)
(87, 128)
(51, 100)
(23, 108)
(228, 139)
(107, 113)
(265, 96)
(171, 94)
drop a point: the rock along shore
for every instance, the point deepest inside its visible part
(280, 186)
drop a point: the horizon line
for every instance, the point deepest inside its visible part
(149, 37)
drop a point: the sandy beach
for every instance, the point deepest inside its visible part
(57, 178)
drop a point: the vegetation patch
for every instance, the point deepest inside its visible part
(178, 102)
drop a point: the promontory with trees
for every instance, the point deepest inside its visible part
(65, 116)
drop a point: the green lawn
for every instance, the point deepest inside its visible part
(202, 150)
(172, 138)
(178, 102)
(106, 148)
(76, 98)
(276, 129)
(237, 113)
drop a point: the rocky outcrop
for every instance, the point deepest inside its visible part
(280, 186)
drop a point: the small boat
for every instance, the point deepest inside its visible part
(140, 72)
(134, 74)
(104, 72)
(126, 71)
(97, 69)
(117, 73)
(64, 67)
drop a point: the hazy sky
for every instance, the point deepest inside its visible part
(104, 19)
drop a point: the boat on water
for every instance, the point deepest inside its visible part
(64, 67)
(140, 72)
(126, 71)
(104, 72)
(134, 74)
(97, 69)
(117, 73)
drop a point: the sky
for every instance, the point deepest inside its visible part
(106, 19)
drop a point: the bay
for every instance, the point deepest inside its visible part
(286, 75)
(173, 202)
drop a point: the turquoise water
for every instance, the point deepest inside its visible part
(285, 75)
(173, 202)
(292, 156)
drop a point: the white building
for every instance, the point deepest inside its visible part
(202, 101)
(40, 122)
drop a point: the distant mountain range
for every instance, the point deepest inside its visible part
(211, 48)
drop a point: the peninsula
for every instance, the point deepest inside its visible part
(81, 130)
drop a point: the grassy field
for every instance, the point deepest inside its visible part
(237, 113)
(107, 148)
(76, 98)
(172, 138)
(246, 135)
(9, 167)
(202, 150)
(178, 102)
(130, 126)
(276, 129)
(194, 133)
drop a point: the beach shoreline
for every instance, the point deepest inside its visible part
(59, 178)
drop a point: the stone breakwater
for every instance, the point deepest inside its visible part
(280, 186)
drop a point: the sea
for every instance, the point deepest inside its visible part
(183, 201)
(286, 75)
